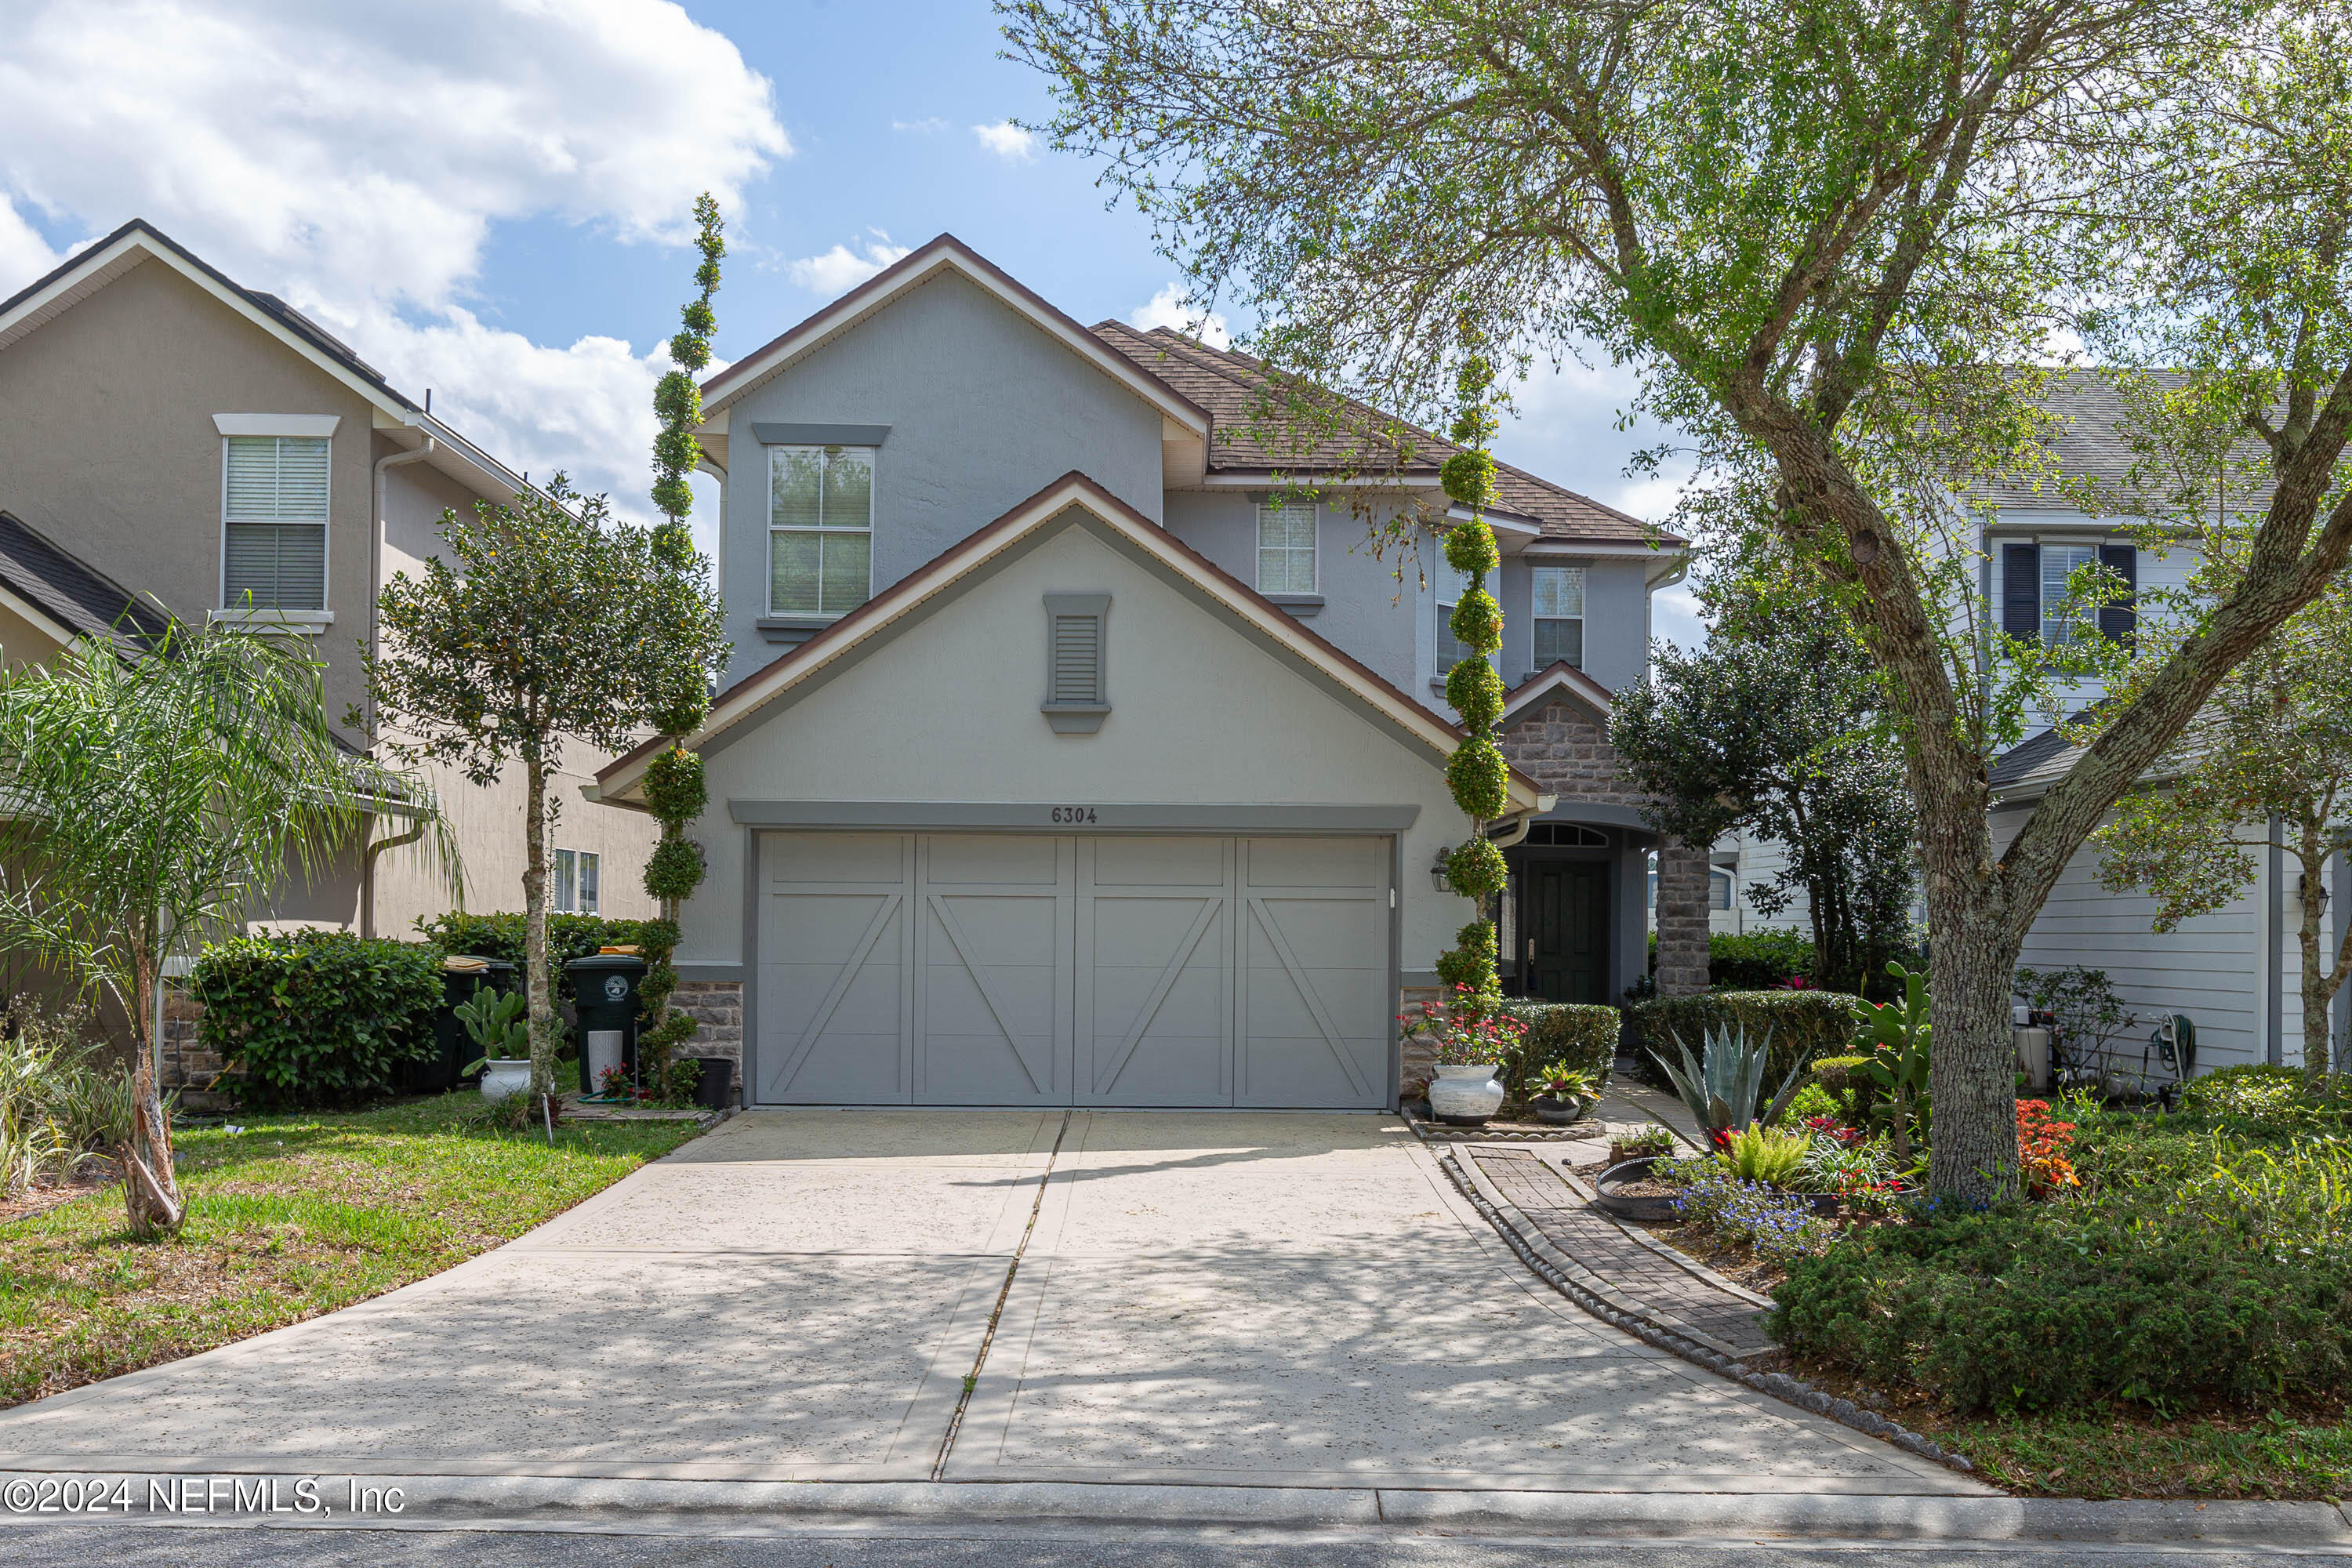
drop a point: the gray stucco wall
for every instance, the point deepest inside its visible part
(113, 455)
(984, 410)
(1373, 604)
(1616, 619)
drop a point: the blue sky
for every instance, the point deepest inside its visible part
(488, 196)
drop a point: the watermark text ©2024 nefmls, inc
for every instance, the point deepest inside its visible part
(312, 1496)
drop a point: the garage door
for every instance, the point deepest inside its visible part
(1002, 969)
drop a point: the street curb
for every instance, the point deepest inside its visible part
(1778, 1385)
(430, 1502)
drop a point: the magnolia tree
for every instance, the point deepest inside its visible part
(540, 624)
(1824, 236)
(1774, 728)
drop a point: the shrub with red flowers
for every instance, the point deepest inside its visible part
(2042, 1150)
(1468, 1036)
(1837, 1132)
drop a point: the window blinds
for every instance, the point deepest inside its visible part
(274, 505)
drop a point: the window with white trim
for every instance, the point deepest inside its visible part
(1718, 889)
(820, 530)
(1286, 546)
(575, 882)
(1558, 615)
(2059, 563)
(274, 521)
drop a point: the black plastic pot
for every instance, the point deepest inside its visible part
(1626, 1205)
(1554, 1112)
(712, 1089)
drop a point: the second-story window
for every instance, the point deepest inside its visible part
(274, 522)
(1558, 615)
(574, 892)
(1285, 547)
(2059, 564)
(820, 530)
(1450, 585)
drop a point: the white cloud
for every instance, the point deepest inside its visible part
(840, 270)
(1167, 309)
(24, 255)
(358, 167)
(1007, 141)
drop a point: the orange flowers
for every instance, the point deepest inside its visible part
(2041, 1146)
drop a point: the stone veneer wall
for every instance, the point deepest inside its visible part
(1563, 747)
(718, 1007)
(1682, 919)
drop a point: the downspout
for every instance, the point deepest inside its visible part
(375, 588)
(2340, 883)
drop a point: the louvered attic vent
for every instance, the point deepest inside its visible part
(1077, 694)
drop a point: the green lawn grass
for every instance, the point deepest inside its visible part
(293, 1217)
(2271, 1454)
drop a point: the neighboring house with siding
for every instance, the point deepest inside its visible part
(173, 443)
(1077, 749)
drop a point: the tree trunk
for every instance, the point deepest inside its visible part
(539, 985)
(2318, 987)
(151, 1189)
(1972, 1065)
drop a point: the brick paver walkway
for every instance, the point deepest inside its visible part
(1627, 1266)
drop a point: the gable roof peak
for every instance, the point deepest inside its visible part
(944, 253)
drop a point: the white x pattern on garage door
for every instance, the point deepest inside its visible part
(1002, 969)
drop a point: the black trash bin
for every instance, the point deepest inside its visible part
(444, 1067)
(604, 990)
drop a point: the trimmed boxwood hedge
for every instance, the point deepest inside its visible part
(317, 1017)
(1803, 1025)
(1580, 1035)
(2016, 1311)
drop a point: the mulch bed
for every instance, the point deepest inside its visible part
(90, 1176)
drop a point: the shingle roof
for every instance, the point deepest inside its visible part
(2091, 441)
(1228, 384)
(72, 592)
(2042, 759)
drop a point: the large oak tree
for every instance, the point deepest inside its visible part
(1825, 233)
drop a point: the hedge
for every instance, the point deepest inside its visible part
(1758, 959)
(317, 1017)
(568, 937)
(1581, 1036)
(2008, 1311)
(1803, 1025)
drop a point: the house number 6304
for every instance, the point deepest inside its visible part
(1073, 814)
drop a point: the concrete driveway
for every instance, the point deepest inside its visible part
(1262, 1300)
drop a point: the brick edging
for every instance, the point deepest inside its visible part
(1778, 1385)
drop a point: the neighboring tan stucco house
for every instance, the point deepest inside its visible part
(176, 443)
(1077, 749)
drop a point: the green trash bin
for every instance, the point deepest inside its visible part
(604, 992)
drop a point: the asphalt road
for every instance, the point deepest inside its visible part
(75, 1546)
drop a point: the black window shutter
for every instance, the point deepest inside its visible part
(2020, 591)
(2118, 620)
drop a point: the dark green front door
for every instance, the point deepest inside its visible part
(1564, 928)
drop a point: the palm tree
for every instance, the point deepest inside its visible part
(154, 792)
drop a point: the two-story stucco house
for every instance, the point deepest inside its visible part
(173, 443)
(1077, 749)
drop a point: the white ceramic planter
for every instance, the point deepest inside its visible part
(504, 1076)
(1466, 1094)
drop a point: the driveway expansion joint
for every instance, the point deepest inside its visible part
(1654, 1327)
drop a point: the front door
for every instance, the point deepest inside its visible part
(1564, 926)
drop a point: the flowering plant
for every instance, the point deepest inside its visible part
(614, 1084)
(1777, 1225)
(2041, 1146)
(1835, 1131)
(1560, 1081)
(1469, 1037)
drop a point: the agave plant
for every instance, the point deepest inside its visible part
(1721, 1087)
